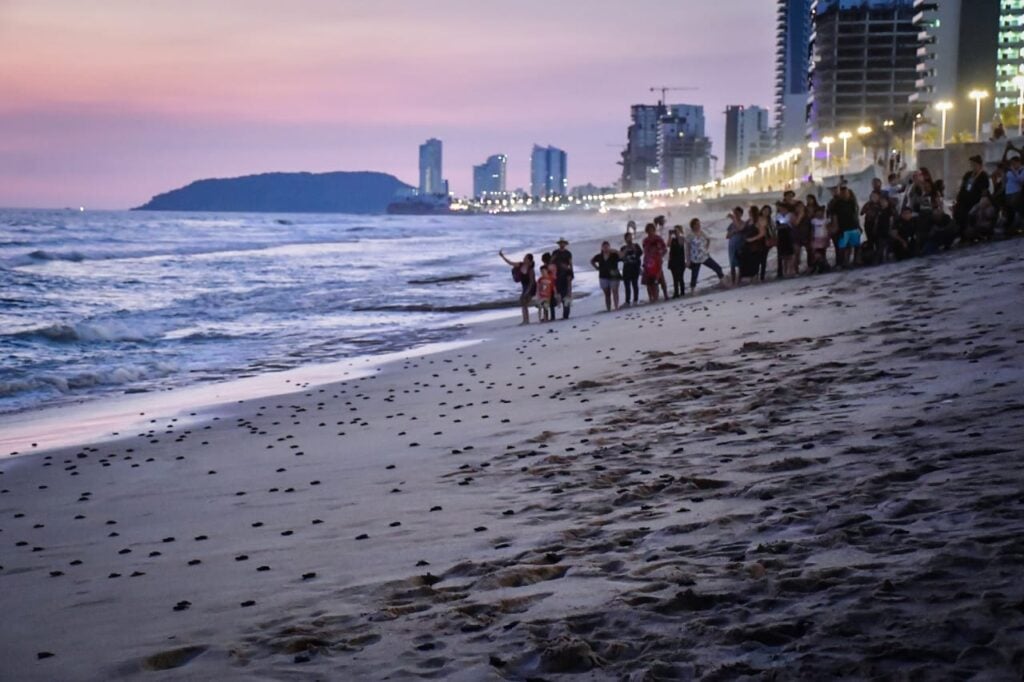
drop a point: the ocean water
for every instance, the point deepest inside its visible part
(101, 303)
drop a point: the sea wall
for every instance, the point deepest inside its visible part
(951, 163)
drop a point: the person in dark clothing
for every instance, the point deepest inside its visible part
(972, 188)
(632, 258)
(904, 235)
(880, 239)
(562, 259)
(659, 224)
(942, 234)
(607, 265)
(785, 242)
(677, 261)
(981, 221)
(754, 247)
(527, 278)
(847, 220)
(771, 234)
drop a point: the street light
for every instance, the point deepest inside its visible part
(977, 96)
(864, 131)
(913, 138)
(813, 146)
(944, 107)
(828, 140)
(1019, 82)
(845, 137)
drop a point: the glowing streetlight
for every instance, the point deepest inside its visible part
(977, 96)
(845, 137)
(864, 131)
(813, 146)
(913, 138)
(828, 140)
(1019, 82)
(944, 107)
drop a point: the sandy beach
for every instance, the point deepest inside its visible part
(811, 479)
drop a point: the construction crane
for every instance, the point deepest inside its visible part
(665, 88)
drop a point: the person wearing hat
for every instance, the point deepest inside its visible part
(561, 258)
(1014, 179)
(972, 188)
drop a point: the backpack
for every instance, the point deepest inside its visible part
(517, 274)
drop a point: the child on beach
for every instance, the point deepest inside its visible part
(545, 292)
(819, 240)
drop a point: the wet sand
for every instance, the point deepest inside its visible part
(810, 479)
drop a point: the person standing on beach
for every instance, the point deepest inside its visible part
(654, 253)
(561, 258)
(522, 272)
(806, 228)
(607, 265)
(845, 213)
(770, 238)
(785, 243)
(659, 223)
(818, 260)
(698, 253)
(870, 212)
(881, 240)
(677, 261)
(631, 255)
(754, 248)
(734, 235)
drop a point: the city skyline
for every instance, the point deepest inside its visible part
(105, 109)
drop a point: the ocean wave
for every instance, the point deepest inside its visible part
(443, 280)
(68, 383)
(435, 308)
(87, 332)
(41, 254)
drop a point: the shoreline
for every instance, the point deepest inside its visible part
(91, 420)
(812, 479)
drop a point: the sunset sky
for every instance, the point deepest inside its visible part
(108, 102)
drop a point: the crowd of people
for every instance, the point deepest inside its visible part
(549, 287)
(904, 218)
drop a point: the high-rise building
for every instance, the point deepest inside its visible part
(489, 177)
(684, 151)
(1010, 51)
(863, 63)
(431, 179)
(792, 64)
(640, 158)
(548, 177)
(666, 147)
(957, 54)
(748, 138)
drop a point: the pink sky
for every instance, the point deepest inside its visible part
(106, 103)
